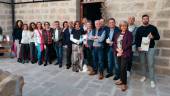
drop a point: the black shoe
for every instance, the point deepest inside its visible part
(50, 62)
(115, 78)
(68, 67)
(108, 75)
(60, 66)
(45, 64)
(19, 60)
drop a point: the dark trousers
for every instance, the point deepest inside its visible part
(98, 59)
(25, 52)
(68, 54)
(48, 53)
(33, 52)
(88, 58)
(123, 67)
(129, 65)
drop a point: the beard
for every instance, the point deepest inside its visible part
(145, 23)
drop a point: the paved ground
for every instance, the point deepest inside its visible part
(53, 81)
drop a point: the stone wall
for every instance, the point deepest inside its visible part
(159, 12)
(47, 11)
(5, 18)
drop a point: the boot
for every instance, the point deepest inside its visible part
(101, 76)
(92, 72)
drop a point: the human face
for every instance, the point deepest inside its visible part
(33, 26)
(123, 27)
(102, 21)
(56, 25)
(25, 27)
(89, 26)
(47, 26)
(77, 25)
(19, 23)
(111, 23)
(39, 25)
(65, 25)
(131, 20)
(70, 24)
(145, 20)
(84, 21)
(97, 24)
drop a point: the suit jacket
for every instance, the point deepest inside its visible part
(60, 36)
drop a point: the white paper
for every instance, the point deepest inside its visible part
(145, 43)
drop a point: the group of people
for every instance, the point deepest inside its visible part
(89, 48)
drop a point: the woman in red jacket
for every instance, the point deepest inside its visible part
(123, 48)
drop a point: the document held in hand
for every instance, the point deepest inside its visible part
(145, 43)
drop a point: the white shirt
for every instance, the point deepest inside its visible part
(37, 37)
(25, 37)
(56, 38)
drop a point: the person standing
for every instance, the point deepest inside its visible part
(47, 35)
(25, 44)
(17, 36)
(39, 42)
(67, 44)
(132, 28)
(98, 45)
(33, 52)
(123, 48)
(88, 47)
(150, 31)
(58, 42)
(77, 52)
(113, 29)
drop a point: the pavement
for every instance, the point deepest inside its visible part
(54, 81)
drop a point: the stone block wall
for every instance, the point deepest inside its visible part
(47, 11)
(5, 18)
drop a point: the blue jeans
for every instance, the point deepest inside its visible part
(111, 60)
(39, 54)
(149, 57)
(98, 59)
(59, 52)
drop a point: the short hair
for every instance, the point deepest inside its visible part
(56, 21)
(112, 19)
(145, 15)
(96, 21)
(125, 22)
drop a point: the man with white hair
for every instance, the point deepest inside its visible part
(132, 28)
(98, 43)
